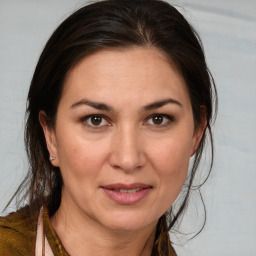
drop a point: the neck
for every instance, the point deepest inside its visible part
(81, 235)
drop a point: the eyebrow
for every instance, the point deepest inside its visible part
(103, 106)
(94, 104)
(161, 103)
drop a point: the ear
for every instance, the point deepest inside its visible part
(199, 130)
(50, 138)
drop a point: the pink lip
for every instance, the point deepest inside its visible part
(126, 198)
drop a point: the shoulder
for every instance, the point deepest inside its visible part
(18, 233)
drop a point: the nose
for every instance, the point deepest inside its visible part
(127, 151)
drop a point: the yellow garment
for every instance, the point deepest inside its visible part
(18, 235)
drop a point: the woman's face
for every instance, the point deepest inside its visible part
(123, 138)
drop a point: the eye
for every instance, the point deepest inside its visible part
(159, 120)
(96, 121)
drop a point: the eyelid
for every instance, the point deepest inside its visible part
(85, 119)
(169, 117)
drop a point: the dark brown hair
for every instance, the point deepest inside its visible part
(111, 24)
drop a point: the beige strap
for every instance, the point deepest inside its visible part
(42, 245)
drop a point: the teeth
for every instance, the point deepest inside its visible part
(130, 191)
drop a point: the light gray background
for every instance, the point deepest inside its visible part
(228, 30)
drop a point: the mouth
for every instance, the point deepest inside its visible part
(127, 194)
(130, 191)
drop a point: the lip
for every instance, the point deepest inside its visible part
(113, 192)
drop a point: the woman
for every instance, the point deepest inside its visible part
(120, 100)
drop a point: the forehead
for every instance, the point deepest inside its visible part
(131, 74)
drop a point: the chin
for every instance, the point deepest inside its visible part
(128, 222)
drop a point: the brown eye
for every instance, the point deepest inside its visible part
(157, 119)
(96, 121)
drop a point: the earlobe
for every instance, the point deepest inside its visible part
(199, 131)
(50, 138)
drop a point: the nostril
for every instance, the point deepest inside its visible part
(127, 151)
(125, 163)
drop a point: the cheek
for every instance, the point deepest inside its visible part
(79, 159)
(171, 161)
(172, 153)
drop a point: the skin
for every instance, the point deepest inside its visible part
(126, 146)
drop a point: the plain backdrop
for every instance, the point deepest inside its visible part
(228, 31)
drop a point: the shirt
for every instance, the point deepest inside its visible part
(18, 235)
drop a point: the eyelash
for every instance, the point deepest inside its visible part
(86, 118)
(167, 118)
